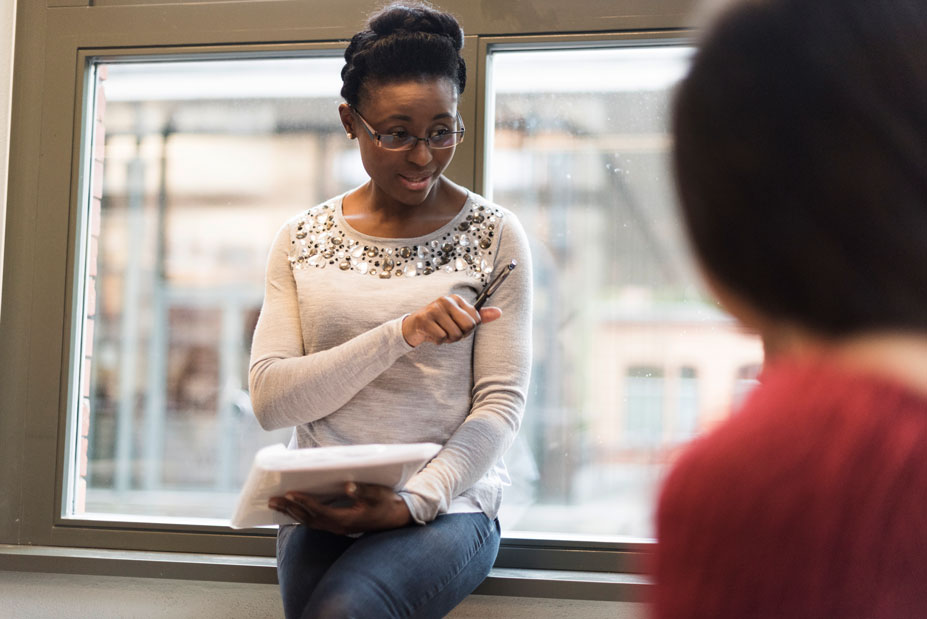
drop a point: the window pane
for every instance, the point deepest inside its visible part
(643, 425)
(201, 163)
(631, 358)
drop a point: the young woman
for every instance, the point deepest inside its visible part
(801, 160)
(368, 334)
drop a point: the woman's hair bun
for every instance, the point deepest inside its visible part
(407, 17)
(404, 40)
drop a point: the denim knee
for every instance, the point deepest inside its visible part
(343, 605)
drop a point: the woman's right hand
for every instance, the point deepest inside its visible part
(445, 320)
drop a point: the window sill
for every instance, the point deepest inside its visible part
(571, 585)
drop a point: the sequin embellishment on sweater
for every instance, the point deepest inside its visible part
(318, 241)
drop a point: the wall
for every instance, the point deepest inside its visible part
(7, 30)
(33, 595)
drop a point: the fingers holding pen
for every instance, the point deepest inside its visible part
(445, 320)
(450, 322)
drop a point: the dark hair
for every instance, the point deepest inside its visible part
(405, 40)
(801, 160)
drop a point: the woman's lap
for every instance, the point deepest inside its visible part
(414, 571)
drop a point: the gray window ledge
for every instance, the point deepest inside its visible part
(600, 586)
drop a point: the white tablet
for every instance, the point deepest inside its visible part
(277, 470)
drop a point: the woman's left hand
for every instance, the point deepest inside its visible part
(372, 508)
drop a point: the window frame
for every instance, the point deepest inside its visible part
(56, 40)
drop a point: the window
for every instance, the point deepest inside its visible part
(145, 185)
(687, 402)
(580, 152)
(643, 425)
(202, 161)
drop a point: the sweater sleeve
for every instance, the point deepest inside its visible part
(289, 387)
(501, 369)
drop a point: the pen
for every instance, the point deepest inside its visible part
(493, 284)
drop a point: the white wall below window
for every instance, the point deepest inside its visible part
(40, 595)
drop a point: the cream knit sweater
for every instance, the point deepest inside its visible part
(329, 359)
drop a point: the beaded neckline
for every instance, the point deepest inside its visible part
(320, 240)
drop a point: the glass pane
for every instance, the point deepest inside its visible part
(631, 356)
(197, 164)
(644, 388)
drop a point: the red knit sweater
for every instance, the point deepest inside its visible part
(811, 501)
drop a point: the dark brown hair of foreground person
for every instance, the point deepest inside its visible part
(801, 160)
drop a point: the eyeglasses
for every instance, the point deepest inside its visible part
(400, 140)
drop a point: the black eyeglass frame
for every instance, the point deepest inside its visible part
(412, 140)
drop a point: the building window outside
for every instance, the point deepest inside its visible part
(643, 424)
(687, 413)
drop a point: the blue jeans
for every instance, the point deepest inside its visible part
(414, 571)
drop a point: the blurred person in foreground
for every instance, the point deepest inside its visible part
(801, 163)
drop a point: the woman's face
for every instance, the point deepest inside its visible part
(415, 107)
